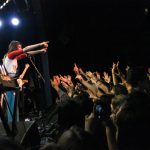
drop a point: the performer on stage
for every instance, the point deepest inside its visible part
(10, 62)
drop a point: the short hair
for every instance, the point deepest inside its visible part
(76, 138)
(85, 102)
(50, 146)
(69, 113)
(120, 89)
(133, 122)
(13, 45)
(118, 100)
(136, 74)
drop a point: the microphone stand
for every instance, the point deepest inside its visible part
(39, 74)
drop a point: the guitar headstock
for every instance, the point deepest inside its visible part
(27, 65)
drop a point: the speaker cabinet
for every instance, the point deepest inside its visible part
(27, 135)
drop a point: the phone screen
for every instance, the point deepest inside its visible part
(98, 110)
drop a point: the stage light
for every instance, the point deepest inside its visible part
(1, 23)
(146, 10)
(15, 21)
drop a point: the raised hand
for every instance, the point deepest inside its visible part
(55, 82)
(98, 75)
(65, 85)
(79, 77)
(76, 69)
(127, 68)
(107, 78)
(89, 74)
(81, 71)
(64, 79)
(113, 68)
(70, 81)
(69, 78)
(117, 65)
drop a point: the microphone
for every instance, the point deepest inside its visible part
(29, 55)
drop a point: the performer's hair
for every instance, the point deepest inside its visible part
(13, 45)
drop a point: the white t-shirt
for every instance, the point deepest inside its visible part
(11, 66)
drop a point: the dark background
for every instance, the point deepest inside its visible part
(95, 33)
(91, 33)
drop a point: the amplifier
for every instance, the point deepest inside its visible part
(7, 83)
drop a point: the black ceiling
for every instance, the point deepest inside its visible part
(92, 33)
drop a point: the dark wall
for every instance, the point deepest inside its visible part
(91, 33)
(95, 33)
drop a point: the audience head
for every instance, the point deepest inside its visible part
(77, 139)
(133, 122)
(85, 102)
(69, 113)
(119, 89)
(136, 74)
(117, 102)
(50, 146)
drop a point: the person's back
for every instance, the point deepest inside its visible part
(133, 122)
(137, 79)
(50, 146)
(77, 139)
(69, 113)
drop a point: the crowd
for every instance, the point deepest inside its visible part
(114, 108)
(102, 111)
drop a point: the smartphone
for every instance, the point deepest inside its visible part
(99, 110)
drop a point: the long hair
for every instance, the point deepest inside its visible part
(13, 45)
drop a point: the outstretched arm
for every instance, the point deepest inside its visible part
(20, 54)
(37, 51)
(15, 53)
(89, 86)
(32, 47)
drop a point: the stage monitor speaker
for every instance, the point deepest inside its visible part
(27, 135)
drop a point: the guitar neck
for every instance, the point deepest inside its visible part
(24, 71)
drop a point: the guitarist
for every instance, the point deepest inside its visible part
(10, 62)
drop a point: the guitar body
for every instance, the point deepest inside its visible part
(20, 80)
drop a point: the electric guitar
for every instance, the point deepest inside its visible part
(20, 80)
